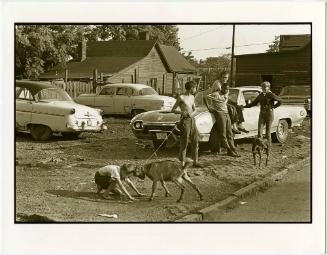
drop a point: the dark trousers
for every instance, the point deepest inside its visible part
(235, 112)
(224, 128)
(188, 136)
(266, 118)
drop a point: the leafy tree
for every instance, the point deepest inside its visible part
(274, 47)
(41, 47)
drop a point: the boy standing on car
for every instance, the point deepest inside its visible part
(267, 101)
(189, 132)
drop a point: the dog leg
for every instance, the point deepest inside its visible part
(154, 187)
(260, 158)
(180, 184)
(267, 159)
(165, 187)
(254, 158)
(189, 181)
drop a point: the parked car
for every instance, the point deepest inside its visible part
(156, 125)
(125, 98)
(43, 109)
(297, 95)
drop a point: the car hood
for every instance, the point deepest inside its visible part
(163, 116)
(87, 95)
(156, 97)
(65, 107)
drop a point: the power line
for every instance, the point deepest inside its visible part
(196, 35)
(227, 48)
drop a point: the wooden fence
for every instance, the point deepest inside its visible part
(75, 88)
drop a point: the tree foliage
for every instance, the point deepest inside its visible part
(274, 47)
(41, 47)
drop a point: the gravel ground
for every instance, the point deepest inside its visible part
(55, 179)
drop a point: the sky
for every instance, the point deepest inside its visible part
(203, 40)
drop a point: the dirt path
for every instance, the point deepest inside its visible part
(55, 178)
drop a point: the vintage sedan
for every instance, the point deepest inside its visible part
(43, 109)
(158, 125)
(297, 95)
(127, 99)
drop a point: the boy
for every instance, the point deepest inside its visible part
(187, 125)
(267, 105)
(110, 178)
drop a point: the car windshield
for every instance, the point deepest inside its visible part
(52, 94)
(199, 98)
(147, 91)
(295, 91)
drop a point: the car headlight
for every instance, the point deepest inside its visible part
(138, 125)
(302, 113)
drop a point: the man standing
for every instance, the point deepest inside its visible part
(267, 101)
(218, 107)
(189, 132)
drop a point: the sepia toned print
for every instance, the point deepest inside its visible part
(211, 120)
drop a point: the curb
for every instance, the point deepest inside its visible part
(231, 201)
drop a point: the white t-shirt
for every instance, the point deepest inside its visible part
(113, 171)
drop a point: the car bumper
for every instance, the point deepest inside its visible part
(87, 128)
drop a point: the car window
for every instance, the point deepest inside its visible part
(147, 91)
(129, 91)
(107, 91)
(23, 93)
(52, 94)
(233, 95)
(250, 95)
(121, 92)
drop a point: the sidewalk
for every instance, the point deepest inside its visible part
(288, 201)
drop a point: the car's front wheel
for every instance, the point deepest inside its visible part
(70, 135)
(281, 134)
(40, 132)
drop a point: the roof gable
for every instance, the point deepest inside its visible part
(129, 48)
(174, 60)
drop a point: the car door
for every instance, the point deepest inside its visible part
(105, 100)
(24, 108)
(123, 100)
(251, 115)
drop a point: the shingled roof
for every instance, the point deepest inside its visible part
(113, 56)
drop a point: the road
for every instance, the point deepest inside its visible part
(288, 201)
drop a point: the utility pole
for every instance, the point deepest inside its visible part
(232, 59)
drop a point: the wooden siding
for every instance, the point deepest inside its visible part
(293, 68)
(150, 67)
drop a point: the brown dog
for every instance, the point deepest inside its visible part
(168, 170)
(260, 146)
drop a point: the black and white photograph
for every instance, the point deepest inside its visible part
(163, 123)
(184, 123)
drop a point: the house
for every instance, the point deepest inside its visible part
(291, 65)
(131, 61)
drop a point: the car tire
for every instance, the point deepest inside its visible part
(214, 141)
(281, 134)
(70, 135)
(158, 143)
(40, 132)
(136, 112)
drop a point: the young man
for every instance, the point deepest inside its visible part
(267, 101)
(110, 178)
(218, 107)
(189, 132)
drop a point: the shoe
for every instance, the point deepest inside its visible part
(233, 154)
(235, 131)
(198, 165)
(243, 130)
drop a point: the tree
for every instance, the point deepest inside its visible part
(41, 47)
(274, 47)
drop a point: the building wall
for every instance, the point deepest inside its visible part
(150, 71)
(283, 69)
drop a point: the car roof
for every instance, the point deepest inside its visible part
(33, 86)
(247, 88)
(128, 85)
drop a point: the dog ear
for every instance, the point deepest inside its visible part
(129, 168)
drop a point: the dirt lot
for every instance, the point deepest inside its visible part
(55, 179)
